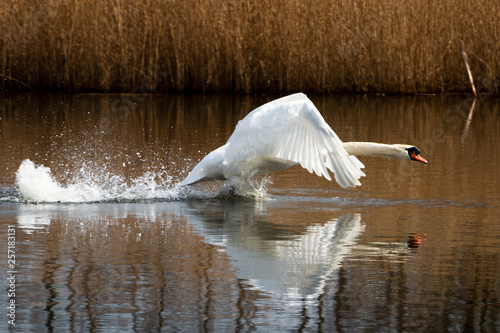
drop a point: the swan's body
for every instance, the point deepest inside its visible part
(288, 132)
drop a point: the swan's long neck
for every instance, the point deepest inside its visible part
(375, 149)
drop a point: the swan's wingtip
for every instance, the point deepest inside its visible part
(353, 184)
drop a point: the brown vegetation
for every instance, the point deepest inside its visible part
(391, 46)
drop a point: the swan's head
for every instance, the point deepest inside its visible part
(413, 153)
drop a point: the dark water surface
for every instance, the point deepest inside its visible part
(109, 243)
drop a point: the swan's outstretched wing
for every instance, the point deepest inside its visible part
(291, 128)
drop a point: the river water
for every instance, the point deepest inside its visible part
(106, 241)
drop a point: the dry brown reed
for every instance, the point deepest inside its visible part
(391, 46)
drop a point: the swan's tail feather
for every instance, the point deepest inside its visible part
(209, 168)
(195, 176)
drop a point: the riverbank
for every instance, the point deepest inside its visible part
(133, 46)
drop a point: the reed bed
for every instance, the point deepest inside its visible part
(137, 46)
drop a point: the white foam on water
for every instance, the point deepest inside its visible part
(37, 184)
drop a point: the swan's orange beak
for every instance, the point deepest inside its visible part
(416, 157)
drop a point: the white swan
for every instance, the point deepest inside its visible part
(288, 132)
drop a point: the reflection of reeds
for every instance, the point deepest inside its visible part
(232, 45)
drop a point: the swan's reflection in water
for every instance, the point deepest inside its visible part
(274, 258)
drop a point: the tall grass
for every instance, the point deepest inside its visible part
(392, 46)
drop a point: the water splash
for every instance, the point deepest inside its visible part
(249, 188)
(37, 184)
